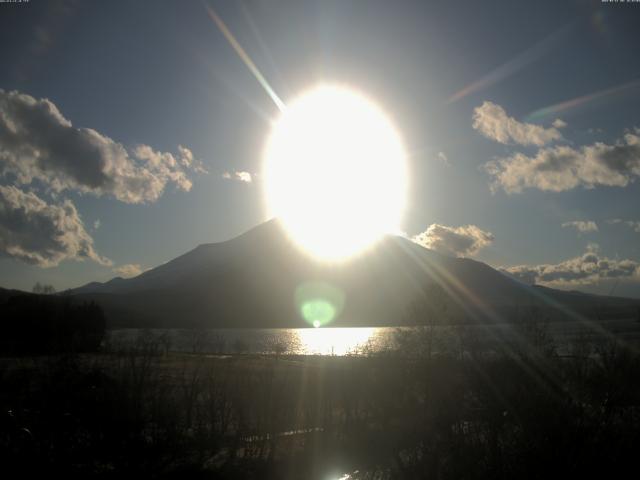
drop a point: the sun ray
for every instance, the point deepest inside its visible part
(583, 100)
(514, 65)
(244, 57)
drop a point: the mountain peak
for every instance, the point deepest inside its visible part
(252, 280)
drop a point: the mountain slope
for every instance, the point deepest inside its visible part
(250, 281)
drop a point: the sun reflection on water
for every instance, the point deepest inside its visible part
(334, 341)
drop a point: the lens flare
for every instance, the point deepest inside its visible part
(513, 66)
(244, 56)
(585, 100)
(318, 312)
(319, 303)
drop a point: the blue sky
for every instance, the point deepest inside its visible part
(470, 85)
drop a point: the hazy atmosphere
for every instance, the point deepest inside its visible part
(140, 128)
(320, 240)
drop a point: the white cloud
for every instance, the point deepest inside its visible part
(582, 226)
(442, 157)
(42, 234)
(563, 168)
(633, 224)
(462, 241)
(37, 143)
(96, 224)
(245, 177)
(559, 123)
(129, 270)
(493, 122)
(588, 268)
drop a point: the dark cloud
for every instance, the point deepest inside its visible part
(42, 234)
(38, 143)
(462, 241)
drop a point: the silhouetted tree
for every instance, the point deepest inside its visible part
(428, 312)
(41, 289)
(48, 324)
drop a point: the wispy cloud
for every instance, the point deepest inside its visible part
(442, 158)
(462, 241)
(633, 224)
(241, 176)
(129, 270)
(493, 122)
(582, 226)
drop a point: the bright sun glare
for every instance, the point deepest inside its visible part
(335, 172)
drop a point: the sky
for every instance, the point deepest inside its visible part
(131, 132)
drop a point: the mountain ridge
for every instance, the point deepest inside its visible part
(251, 281)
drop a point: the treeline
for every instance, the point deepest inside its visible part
(37, 324)
(409, 413)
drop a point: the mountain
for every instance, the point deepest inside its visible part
(6, 294)
(253, 281)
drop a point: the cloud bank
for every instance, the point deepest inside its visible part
(564, 168)
(588, 268)
(42, 234)
(493, 122)
(462, 241)
(41, 149)
(37, 143)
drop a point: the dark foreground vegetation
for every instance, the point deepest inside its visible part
(45, 323)
(408, 413)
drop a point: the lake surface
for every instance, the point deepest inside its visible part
(346, 341)
(295, 341)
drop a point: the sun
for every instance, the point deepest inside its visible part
(335, 172)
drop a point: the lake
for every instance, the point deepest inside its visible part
(346, 341)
